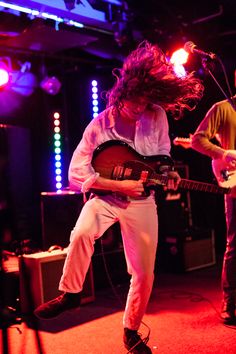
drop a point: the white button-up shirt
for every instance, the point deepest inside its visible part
(151, 138)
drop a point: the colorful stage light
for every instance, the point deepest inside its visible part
(51, 85)
(4, 77)
(178, 58)
(57, 152)
(94, 98)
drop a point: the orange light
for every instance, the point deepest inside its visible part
(179, 57)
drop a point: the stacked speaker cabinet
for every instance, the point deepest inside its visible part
(182, 245)
(174, 208)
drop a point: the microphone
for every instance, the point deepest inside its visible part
(190, 47)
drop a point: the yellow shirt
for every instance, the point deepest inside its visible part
(220, 120)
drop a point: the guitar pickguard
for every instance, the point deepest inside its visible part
(224, 173)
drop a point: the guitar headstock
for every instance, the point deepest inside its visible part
(184, 142)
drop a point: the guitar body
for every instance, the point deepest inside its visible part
(115, 159)
(224, 173)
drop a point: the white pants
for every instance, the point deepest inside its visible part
(139, 228)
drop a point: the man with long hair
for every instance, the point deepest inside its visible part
(146, 86)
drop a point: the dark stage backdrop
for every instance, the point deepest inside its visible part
(18, 184)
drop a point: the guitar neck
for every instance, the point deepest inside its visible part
(197, 186)
(203, 187)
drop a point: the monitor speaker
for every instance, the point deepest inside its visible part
(40, 274)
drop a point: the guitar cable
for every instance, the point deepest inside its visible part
(117, 296)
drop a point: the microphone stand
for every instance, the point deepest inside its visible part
(206, 65)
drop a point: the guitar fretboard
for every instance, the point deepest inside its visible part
(204, 187)
(197, 186)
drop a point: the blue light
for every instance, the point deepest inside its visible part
(19, 8)
(57, 143)
(74, 23)
(57, 150)
(58, 186)
(58, 164)
(52, 17)
(58, 171)
(44, 15)
(94, 98)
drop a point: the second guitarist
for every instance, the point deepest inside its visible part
(221, 120)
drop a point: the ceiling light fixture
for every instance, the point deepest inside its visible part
(51, 85)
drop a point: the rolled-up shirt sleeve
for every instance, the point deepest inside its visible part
(81, 173)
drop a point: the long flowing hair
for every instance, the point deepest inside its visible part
(146, 73)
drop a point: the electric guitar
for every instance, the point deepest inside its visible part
(224, 172)
(115, 159)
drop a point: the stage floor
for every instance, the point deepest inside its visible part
(183, 316)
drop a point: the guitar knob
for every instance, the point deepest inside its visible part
(225, 175)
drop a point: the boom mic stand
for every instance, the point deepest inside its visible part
(207, 65)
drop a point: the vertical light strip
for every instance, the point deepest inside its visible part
(57, 152)
(94, 98)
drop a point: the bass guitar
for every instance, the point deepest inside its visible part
(115, 159)
(224, 172)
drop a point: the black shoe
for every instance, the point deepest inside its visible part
(57, 306)
(134, 343)
(228, 312)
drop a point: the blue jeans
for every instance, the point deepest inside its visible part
(229, 263)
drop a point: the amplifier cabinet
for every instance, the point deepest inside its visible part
(188, 251)
(40, 274)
